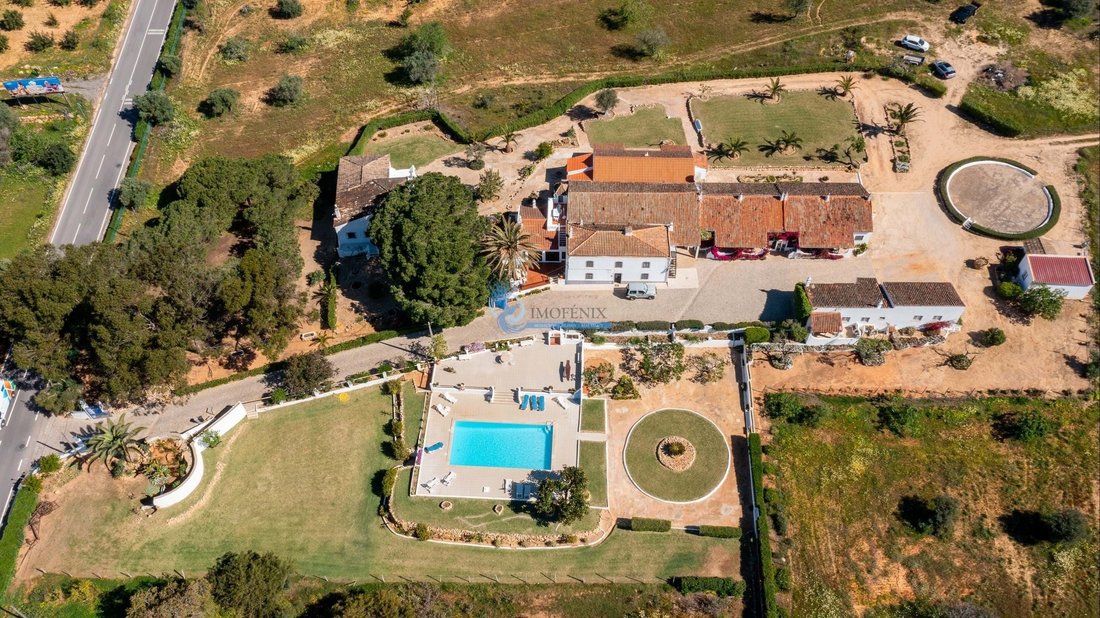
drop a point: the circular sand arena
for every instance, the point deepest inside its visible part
(999, 196)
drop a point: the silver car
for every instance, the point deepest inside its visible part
(641, 290)
(914, 42)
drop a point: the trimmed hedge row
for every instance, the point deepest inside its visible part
(974, 108)
(721, 586)
(359, 146)
(720, 532)
(22, 507)
(689, 324)
(330, 304)
(767, 566)
(646, 524)
(945, 199)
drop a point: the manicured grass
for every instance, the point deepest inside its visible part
(711, 455)
(304, 482)
(594, 462)
(821, 122)
(593, 415)
(648, 126)
(473, 514)
(418, 150)
(842, 483)
(24, 211)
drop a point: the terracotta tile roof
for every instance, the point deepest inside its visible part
(638, 204)
(360, 181)
(741, 188)
(826, 322)
(827, 224)
(619, 241)
(534, 223)
(613, 163)
(865, 292)
(1061, 270)
(743, 223)
(921, 294)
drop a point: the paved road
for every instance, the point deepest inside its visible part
(86, 209)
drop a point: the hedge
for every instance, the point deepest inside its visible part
(722, 586)
(661, 325)
(757, 334)
(720, 532)
(22, 507)
(941, 191)
(444, 123)
(622, 327)
(330, 304)
(689, 324)
(974, 108)
(645, 524)
(767, 566)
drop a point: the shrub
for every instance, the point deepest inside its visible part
(992, 337)
(981, 110)
(11, 541)
(291, 44)
(286, 92)
(802, 306)
(721, 586)
(1042, 301)
(279, 395)
(936, 516)
(646, 524)
(624, 389)
(421, 532)
(219, 102)
(757, 334)
(1067, 526)
(783, 579)
(1008, 290)
(898, 416)
(133, 192)
(658, 363)
(210, 438)
(772, 497)
(23, 3)
(234, 49)
(11, 20)
(287, 9)
(69, 41)
(1025, 426)
(779, 518)
(544, 150)
(872, 352)
(961, 362)
(689, 325)
(607, 99)
(476, 164)
(720, 532)
(250, 584)
(675, 448)
(659, 325)
(389, 479)
(39, 42)
(118, 468)
(154, 107)
(48, 464)
(56, 158)
(170, 65)
(4, 43)
(305, 373)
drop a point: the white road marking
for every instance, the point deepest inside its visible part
(36, 415)
(77, 231)
(11, 490)
(100, 168)
(20, 466)
(89, 200)
(155, 31)
(112, 135)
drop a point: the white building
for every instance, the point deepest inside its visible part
(844, 312)
(618, 254)
(360, 181)
(1071, 274)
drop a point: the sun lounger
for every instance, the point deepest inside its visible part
(507, 487)
(430, 484)
(442, 409)
(449, 397)
(433, 448)
(523, 402)
(560, 399)
(542, 403)
(450, 477)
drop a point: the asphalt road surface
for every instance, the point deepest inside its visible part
(86, 210)
(15, 457)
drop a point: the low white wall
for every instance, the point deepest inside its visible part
(221, 425)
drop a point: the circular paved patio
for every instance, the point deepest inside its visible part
(712, 456)
(999, 196)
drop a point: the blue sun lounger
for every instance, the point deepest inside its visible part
(526, 399)
(433, 448)
(542, 403)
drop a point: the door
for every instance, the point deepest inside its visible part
(618, 277)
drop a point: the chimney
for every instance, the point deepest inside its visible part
(783, 196)
(628, 231)
(826, 196)
(740, 197)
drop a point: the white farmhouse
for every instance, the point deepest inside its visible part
(1068, 273)
(360, 181)
(618, 254)
(844, 312)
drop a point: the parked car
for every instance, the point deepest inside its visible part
(963, 14)
(641, 290)
(942, 69)
(914, 42)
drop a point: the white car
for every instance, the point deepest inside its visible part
(914, 43)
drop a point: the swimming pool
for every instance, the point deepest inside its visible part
(502, 445)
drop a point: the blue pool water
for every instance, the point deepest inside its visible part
(502, 445)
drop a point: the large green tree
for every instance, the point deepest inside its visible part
(563, 498)
(251, 584)
(428, 233)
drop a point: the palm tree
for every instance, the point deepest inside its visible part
(845, 85)
(903, 115)
(770, 147)
(322, 340)
(114, 441)
(775, 89)
(510, 138)
(730, 149)
(789, 141)
(857, 145)
(509, 251)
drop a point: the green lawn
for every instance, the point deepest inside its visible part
(647, 126)
(843, 482)
(711, 455)
(594, 462)
(593, 415)
(302, 482)
(821, 122)
(418, 150)
(24, 211)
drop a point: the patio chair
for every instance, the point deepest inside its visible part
(442, 409)
(449, 478)
(449, 397)
(430, 484)
(523, 402)
(560, 401)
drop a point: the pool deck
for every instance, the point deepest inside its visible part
(491, 386)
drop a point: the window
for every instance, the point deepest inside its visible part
(937, 318)
(351, 235)
(918, 318)
(847, 319)
(589, 264)
(865, 319)
(645, 264)
(618, 264)
(860, 237)
(587, 275)
(645, 276)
